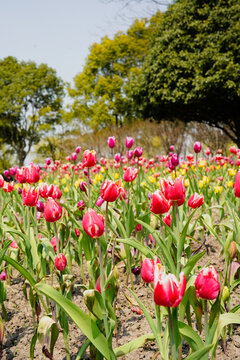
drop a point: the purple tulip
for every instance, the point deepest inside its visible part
(83, 186)
(81, 205)
(40, 206)
(175, 160)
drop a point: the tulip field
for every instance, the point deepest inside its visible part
(124, 257)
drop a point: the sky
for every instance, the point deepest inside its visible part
(60, 32)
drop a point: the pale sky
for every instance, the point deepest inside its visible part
(59, 32)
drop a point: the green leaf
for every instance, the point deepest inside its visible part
(84, 322)
(200, 353)
(192, 262)
(190, 336)
(136, 244)
(34, 252)
(33, 344)
(133, 345)
(3, 251)
(21, 269)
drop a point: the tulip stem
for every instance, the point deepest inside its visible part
(205, 319)
(56, 235)
(102, 287)
(89, 193)
(171, 331)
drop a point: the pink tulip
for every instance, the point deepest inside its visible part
(111, 142)
(197, 147)
(129, 142)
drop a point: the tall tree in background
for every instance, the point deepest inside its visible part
(101, 92)
(30, 104)
(193, 71)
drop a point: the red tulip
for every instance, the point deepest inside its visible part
(31, 174)
(8, 187)
(122, 192)
(109, 191)
(174, 191)
(45, 190)
(195, 201)
(138, 227)
(159, 204)
(167, 220)
(93, 223)
(168, 291)
(77, 232)
(60, 262)
(52, 210)
(89, 158)
(130, 174)
(237, 185)
(148, 268)
(57, 193)
(207, 284)
(30, 196)
(1, 181)
(20, 175)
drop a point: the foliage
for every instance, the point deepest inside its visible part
(30, 100)
(193, 71)
(101, 93)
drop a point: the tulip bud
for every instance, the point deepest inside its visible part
(48, 161)
(81, 205)
(19, 191)
(172, 148)
(225, 294)
(99, 201)
(60, 262)
(12, 171)
(136, 270)
(46, 329)
(89, 298)
(83, 186)
(40, 206)
(77, 232)
(138, 227)
(78, 149)
(232, 250)
(3, 276)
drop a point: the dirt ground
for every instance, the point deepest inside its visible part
(19, 329)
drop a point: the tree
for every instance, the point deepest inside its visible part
(101, 93)
(30, 103)
(193, 70)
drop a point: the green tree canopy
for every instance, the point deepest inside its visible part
(30, 103)
(101, 92)
(193, 70)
